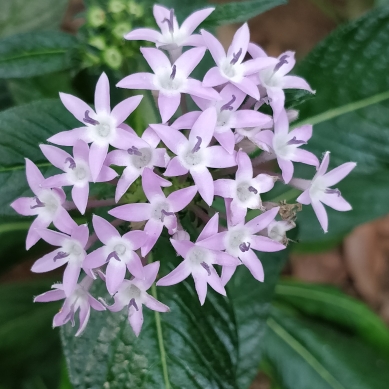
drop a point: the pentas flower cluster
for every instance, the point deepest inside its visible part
(181, 165)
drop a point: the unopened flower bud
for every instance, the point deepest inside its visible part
(135, 9)
(292, 114)
(116, 6)
(121, 29)
(113, 58)
(96, 16)
(98, 42)
(277, 230)
(181, 235)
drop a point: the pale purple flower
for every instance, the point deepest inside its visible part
(118, 251)
(276, 230)
(229, 116)
(240, 241)
(199, 261)
(77, 171)
(274, 79)
(285, 145)
(194, 155)
(100, 127)
(71, 251)
(47, 205)
(172, 36)
(230, 67)
(318, 191)
(136, 159)
(245, 190)
(79, 299)
(132, 294)
(170, 80)
(159, 212)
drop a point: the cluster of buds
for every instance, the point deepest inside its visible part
(198, 142)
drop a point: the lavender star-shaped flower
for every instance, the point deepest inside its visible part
(136, 159)
(172, 36)
(229, 116)
(285, 145)
(101, 128)
(230, 67)
(198, 261)
(274, 79)
(47, 205)
(170, 80)
(159, 212)
(77, 171)
(318, 191)
(80, 299)
(71, 251)
(194, 155)
(245, 190)
(118, 251)
(132, 294)
(241, 239)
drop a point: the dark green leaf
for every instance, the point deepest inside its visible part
(350, 113)
(34, 54)
(29, 348)
(309, 355)
(190, 347)
(38, 88)
(22, 130)
(330, 304)
(239, 11)
(251, 300)
(18, 16)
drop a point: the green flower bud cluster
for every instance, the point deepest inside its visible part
(106, 24)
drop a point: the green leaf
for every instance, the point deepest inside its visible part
(239, 11)
(22, 130)
(251, 301)
(29, 348)
(189, 347)
(36, 53)
(18, 16)
(38, 88)
(309, 355)
(332, 305)
(350, 113)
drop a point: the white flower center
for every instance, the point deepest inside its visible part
(169, 83)
(223, 118)
(120, 249)
(234, 238)
(281, 147)
(317, 188)
(51, 203)
(80, 174)
(269, 78)
(140, 161)
(245, 192)
(103, 129)
(198, 255)
(158, 208)
(132, 292)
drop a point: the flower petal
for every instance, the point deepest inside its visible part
(104, 230)
(81, 150)
(225, 188)
(175, 168)
(321, 214)
(210, 229)
(135, 266)
(63, 221)
(189, 60)
(138, 81)
(305, 156)
(153, 229)
(128, 177)
(238, 212)
(215, 282)
(304, 198)
(51, 295)
(214, 77)
(260, 222)
(143, 34)
(252, 262)
(217, 157)
(97, 157)
(47, 262)
(33, 234)
(201, 286)
(22, 206)
(294, 82)
(69, 138)
(180, 273)
(172, 138)
(240, 42)
(247, 86)
(83, 317)
(75, 106)
(34, 177)
(70, 277)
(226, 140)
(55, 155)
(204, 127)
(336, 202)
(194, 20)
(121, 111)
(214, 46)
(132, 212)
(256, 51)
(102, 95)
(302, 133)
(277, 102)
(204, 182)
(168, 105)
(287, 169)
(95, 259)
(195, 88)
(337, 174)
(155, 305)
(227, 273)
(151, 185)
(115, 273)
(265, 244)
(181, 198)
(80, 197)
(245, 167)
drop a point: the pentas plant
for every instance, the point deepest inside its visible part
(178, 166)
